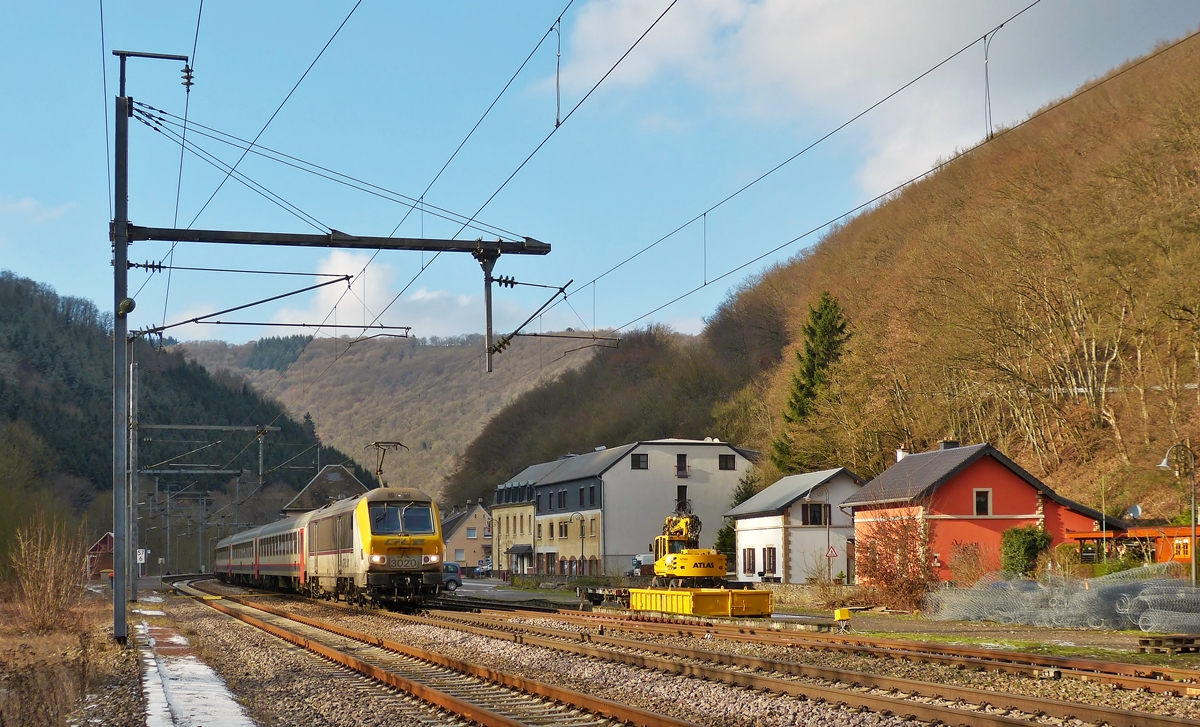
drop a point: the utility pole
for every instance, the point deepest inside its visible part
(123, 233)
(135, 567)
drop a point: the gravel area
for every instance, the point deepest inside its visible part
(114, 691)
(284, 686)
(1072, 690)
(715, 704)
(706, 703)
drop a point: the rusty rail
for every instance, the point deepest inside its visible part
(476, 713)
(1172, 681)
(1029, 705)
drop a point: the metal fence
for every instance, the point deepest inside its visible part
(1151, 598)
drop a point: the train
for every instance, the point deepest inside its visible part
(381, 548)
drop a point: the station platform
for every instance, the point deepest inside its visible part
(180, 689)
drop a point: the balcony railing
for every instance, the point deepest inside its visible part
(682, 470)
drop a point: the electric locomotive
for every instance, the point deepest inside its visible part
(384, 546)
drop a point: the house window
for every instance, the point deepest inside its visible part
(813, 513)
(727, 461)
(581, 497)
(748, 561)
(562, 499)
(539, 531)
(769, 560)
(681, 465)
(472, 533)
(591, 494)
(639, 461)
(521, 524)
(460, 554)
(1181, 548)
(562, 529)
(593, 526)
(983, 502)
(681, 500)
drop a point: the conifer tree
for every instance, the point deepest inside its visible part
(824, 337)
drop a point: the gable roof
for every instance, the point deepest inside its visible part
(778, 497)
(334, 482)
(455, 520)
(586, 466)
(918, 475)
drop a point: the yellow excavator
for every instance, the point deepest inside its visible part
(688, 580)
(679, 561)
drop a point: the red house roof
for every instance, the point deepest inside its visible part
(917, 476)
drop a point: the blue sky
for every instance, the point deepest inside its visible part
(717, 93)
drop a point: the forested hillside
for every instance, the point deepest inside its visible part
(1040, 292)
(56, 414)
(431, 394)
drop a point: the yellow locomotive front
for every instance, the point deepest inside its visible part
(402, 544)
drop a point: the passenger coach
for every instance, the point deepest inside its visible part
(383, 546)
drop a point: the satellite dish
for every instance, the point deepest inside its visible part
(1134, 511)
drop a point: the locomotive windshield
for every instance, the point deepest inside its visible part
(393, 519)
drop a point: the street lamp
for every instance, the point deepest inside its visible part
(1166, 464)
(579, 567)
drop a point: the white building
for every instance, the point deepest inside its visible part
(787, 532)
(592, 513)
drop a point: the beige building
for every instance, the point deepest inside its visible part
(467, 533)
(512, 529)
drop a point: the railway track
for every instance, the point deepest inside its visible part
(462, 690)
(937, 703)
(774, 675)
(1161, 680)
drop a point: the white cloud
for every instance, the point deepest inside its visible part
(31, 209)
(817, 63)
(428, 312)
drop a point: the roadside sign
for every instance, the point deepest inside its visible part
(832, 552)
(141, 555)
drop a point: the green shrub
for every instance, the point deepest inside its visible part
(1020, 548)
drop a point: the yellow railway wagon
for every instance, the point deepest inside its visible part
(702, 601)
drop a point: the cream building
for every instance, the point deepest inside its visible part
(468, 537)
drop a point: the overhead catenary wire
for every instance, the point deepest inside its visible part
(547, 138)
(163, 266)
(198, 319)
(323, 172)
(703, 215)
(277, 110)
(152, 122)
(444, 166)
(932, 170)
(187, 103)
(488, 201)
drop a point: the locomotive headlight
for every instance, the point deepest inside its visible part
(378, 559)
(430, 558)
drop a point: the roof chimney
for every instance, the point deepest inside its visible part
(948, 443)
(902, 452)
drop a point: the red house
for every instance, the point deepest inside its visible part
(967, 495)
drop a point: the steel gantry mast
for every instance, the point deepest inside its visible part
(123, 233)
